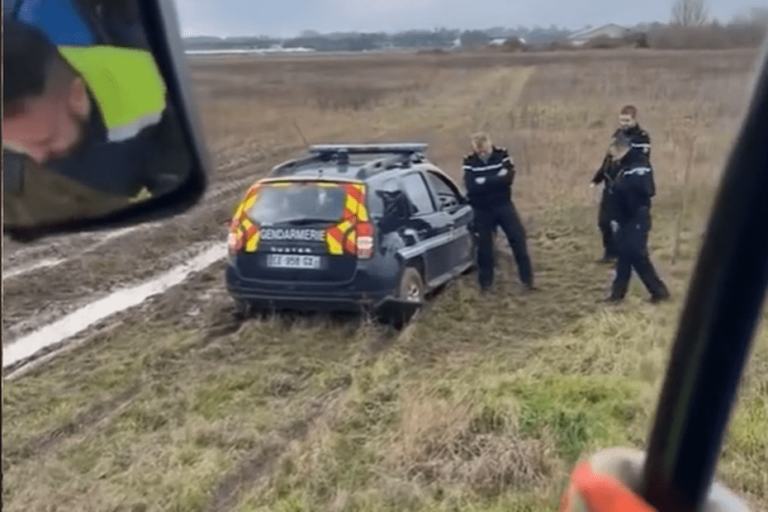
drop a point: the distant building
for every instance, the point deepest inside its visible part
(610, 31)
(501, 41)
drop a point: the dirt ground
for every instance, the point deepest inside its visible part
(554, 111)
(251, 110)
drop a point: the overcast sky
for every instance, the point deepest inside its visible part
(289, 17)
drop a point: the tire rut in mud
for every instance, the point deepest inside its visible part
(81, 424)
(258, 465)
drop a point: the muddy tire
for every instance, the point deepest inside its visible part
(411, 285)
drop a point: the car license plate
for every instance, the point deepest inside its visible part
(293, 261)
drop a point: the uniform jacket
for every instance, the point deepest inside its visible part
(489, 183)
(632, 188)
(641, 143)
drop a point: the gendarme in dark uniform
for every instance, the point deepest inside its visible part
(630, 202)
(488, 176)
(641, 144)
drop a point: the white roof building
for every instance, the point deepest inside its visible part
(583, 36)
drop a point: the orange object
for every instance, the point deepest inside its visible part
(601, 493)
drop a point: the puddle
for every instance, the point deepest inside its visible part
(116, 302)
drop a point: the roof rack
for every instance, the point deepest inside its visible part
(403, 160)
(396, 154)
(399, 154)
(290, 165)
(368, 149)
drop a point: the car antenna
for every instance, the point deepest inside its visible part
(306, 143)
(296, 125)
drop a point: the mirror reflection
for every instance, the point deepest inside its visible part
(88, 125)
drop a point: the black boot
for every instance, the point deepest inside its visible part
(660, 296)
(530, 287)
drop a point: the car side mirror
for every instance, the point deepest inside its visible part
(131, 150)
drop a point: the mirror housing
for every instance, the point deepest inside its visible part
(26, 219)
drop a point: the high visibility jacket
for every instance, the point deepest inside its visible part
(131, 130)
(125, 84)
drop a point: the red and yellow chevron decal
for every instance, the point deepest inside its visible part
(244, 234)
(343, 237)
(353, 235)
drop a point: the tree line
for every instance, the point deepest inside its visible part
(690, 27)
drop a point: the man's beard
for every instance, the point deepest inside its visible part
(83, 130)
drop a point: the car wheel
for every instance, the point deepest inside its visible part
(411, 285)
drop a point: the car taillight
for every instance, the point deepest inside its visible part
(364, 235)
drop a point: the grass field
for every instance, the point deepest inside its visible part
(482, 404)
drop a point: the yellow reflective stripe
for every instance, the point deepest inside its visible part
(125, 83)
(362, 213)
(239, 212)
(344, 226)
(248, 204)
(334, 246)
(351, 203)
(252, 243)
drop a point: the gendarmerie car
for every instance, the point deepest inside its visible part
(349, 227)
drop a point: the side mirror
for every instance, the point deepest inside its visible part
(100, 129)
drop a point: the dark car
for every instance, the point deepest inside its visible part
(349, 227)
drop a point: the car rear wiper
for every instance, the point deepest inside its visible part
(305, 221)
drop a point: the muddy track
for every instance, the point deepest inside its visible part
(200, 304)
(83, 268)
(220, 322)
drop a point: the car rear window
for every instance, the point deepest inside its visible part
(301, 201)
(380, 198)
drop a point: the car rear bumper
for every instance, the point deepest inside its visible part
(360, 294)
(308, 302)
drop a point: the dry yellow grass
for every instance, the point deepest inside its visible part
(481, 404)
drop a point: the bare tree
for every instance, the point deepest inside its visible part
(689, 13)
